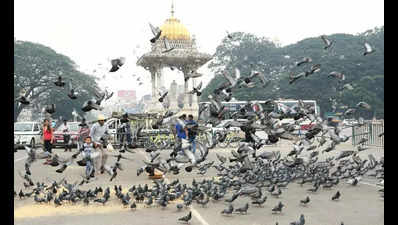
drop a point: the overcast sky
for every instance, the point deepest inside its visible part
(94, 31)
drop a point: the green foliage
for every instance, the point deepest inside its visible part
(36, 68)
(366, 73)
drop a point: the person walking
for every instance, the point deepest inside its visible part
(84, 131)
(48, 137)
(65, 130)
(192, 132)
(99, 134)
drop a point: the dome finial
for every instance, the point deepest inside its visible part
(172, 8)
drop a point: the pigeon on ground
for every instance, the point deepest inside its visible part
(243, 209)
(228, 210)
(186, 218)
(305, 201)
(336, 196)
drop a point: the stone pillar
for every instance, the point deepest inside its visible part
(173, 97)
(153, 82)
(186, 96)
(158, 79)
(155, 106)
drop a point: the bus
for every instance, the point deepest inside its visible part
(234, 106)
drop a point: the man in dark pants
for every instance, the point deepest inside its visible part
(64, 128)
(125, 130)
(191, 132)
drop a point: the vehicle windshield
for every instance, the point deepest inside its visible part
(23, 127)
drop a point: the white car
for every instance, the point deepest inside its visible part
(27, 133)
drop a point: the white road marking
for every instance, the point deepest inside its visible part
(20, 159)
(193, 210)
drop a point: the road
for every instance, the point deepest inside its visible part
(360, 205)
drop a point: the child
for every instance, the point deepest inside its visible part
(89, 154)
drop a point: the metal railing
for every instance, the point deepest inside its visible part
(370, 130)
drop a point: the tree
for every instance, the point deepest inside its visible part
(36, 68)
(248, 52)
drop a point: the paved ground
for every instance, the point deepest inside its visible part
(359, 205)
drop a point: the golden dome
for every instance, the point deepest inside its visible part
(174, 30)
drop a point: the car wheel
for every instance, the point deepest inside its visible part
(32, 143)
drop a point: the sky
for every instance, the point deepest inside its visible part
(91, 32)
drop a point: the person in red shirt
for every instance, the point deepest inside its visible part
(48, 137)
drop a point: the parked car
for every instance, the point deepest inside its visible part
(27, 133)
(73, 128)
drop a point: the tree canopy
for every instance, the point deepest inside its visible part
(248, 52)
(36, 68)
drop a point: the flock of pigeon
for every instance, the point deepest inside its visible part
(248, 172)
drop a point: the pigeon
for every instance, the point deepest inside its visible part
(162, 96)
(156, 32)
(196, 90)
(22, 99)
(314, 69)
(232, 81)
(59, 82)
(337, 75)
(50, 109)
(363, 105)
(117, 63)
(381, 134)
(186, 218)
(328, 43)
(107, 95)
(243, 209)
(305, 201)
(300, 222)
(167, 46)
(304, 60)
(72, 92)
(229, 35)
(336, 196)
(293, 78)
(133, 206)
(260, 201)
(228, 210)
(179, 207)
(368, 49)
(278, 208)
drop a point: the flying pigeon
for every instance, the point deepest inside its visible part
(368, 49)
(72, 93)
(338, 75)
(156, 32)
(50, 108)
(162, 96)
(196, 90)
(328, 43)
(59, 82)
(117, 63)
(167, 46)
(304, 60)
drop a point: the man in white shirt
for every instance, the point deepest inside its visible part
(65, 130)
(99, 133)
